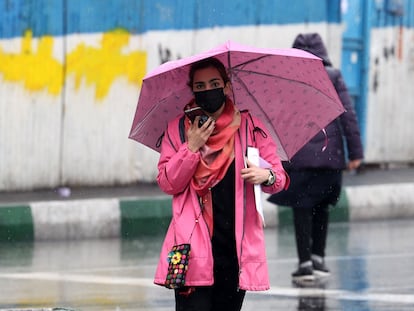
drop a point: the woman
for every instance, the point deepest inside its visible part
(213, 200)
(316, 173)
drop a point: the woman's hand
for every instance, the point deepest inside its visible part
(254, 174)
(198, 136)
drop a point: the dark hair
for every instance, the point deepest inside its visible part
(207, 63)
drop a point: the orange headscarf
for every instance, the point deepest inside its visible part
(218, 152)
(216, 156)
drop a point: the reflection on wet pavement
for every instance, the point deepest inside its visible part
(371, 265)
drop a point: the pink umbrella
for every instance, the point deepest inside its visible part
(288, 89)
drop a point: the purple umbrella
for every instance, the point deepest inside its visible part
(288, 89)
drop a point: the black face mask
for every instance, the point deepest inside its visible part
(211, 100)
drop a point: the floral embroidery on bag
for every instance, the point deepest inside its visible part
(178, 265)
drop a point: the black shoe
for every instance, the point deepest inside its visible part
(319, 268)
(303, 274)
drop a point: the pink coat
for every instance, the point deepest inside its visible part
(176, 167)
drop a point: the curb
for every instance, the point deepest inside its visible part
(369, 202)
(83, 219)
(129, 218)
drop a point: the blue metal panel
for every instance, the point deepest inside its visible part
(334, 11)
(360, 17)
(94, 16)
(138, 16)
(355, 56)
(278, 12)
(42, 17)
(168, 15)
(395, 7)
(408, 18)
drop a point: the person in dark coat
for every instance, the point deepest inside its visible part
(316, 172)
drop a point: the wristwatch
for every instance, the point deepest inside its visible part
(271, 179)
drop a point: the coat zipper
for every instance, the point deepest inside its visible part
(244, 206)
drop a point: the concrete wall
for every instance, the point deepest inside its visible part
(70, 74)
(390, 106)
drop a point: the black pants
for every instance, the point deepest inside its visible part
(310, 194)
(224, 295)
(311, 229)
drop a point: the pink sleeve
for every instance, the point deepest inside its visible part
(177, 163)
(268, 151)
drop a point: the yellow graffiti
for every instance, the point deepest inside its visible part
(37, 70)
(101, 66)
(97, 66)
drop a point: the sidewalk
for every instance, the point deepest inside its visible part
(134, 210)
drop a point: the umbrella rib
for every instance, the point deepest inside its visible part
(247, 62)
(259, 106)
(229, 62)
(241, 83)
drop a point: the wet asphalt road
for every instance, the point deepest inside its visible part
(372, 267)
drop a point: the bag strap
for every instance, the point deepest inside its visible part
(192, 231)
(181, 129)
(195, 224)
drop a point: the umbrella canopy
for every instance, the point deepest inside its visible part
(288, 89)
